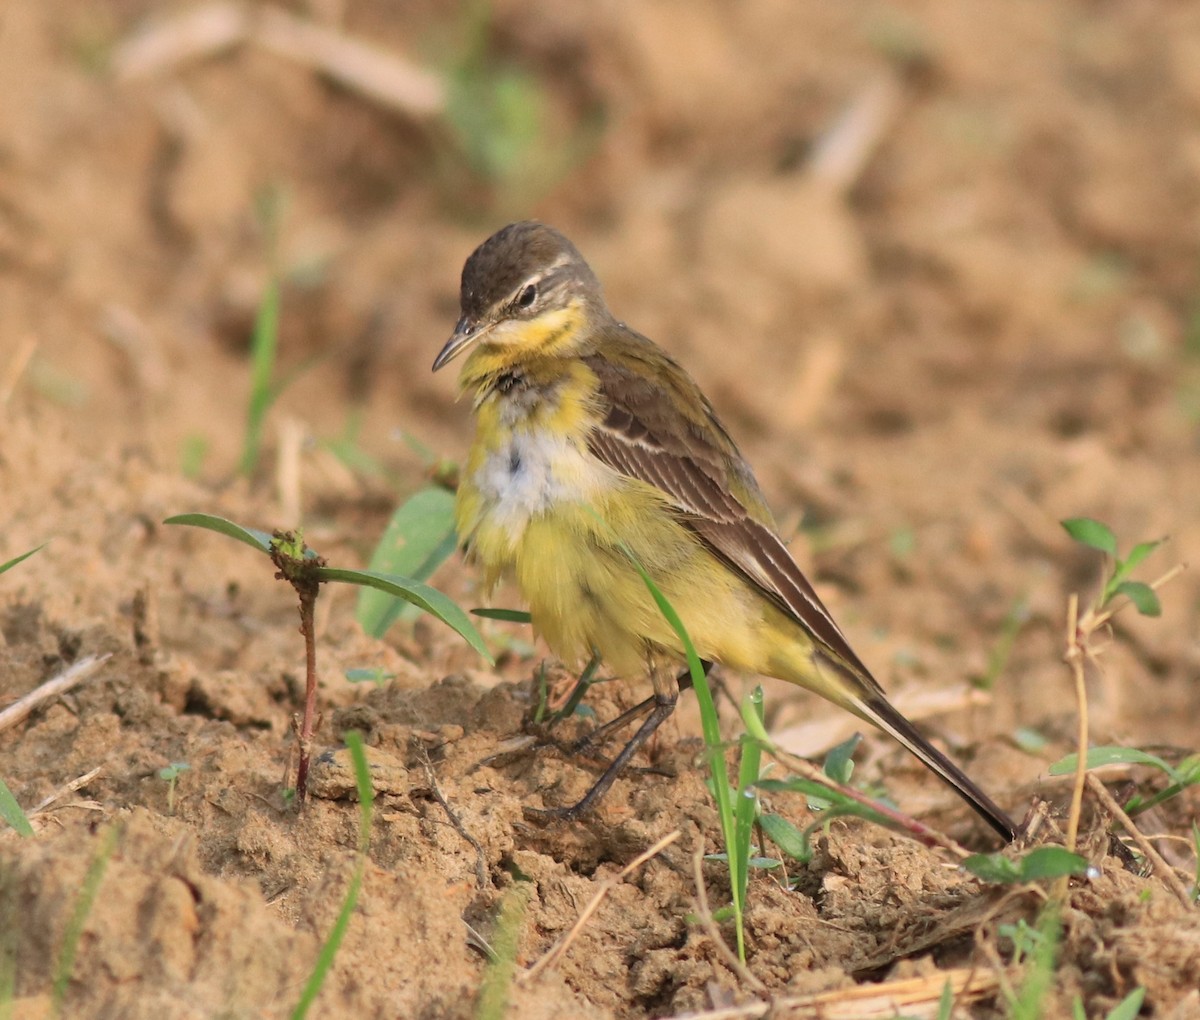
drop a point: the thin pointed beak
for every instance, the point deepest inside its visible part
(465, 334)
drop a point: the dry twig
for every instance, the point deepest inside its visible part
(19, 710)
(481, 878)
(1080, 631)
(382, 77)
(910, 997)
(559, 948)
(66, 788)
(710, 926)
(1167, 872)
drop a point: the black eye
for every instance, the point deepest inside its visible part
(527, 296)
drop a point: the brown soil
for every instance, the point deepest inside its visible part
(992, 325)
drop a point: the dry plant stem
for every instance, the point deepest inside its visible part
(16, 368)
(1167, 872)
(1077, 650)
(481, 878)
(559, 948)
(19, 710)
(710, 926)
(917, 830)
(909, 997)
(844, 150)
(308, 601)
(66, 788)
(384, 78)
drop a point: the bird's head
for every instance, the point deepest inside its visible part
(525, 290)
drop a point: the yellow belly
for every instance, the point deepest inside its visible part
(568, 543)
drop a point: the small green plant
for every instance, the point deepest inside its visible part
(366, 797)
(1082, 627)
(305, 571)
(492, 1003)
(1042, 863)
(83, 907)
(1010, 627)
(192, 454)
(1097, 535)
(1042, 954)
(264, 342)
(170, 774)
(502, 127)
(1127, 1009)
(1180, 777)
(368, 674)
(11, 811)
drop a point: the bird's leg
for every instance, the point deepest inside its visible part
(661, 704)
(601, 733)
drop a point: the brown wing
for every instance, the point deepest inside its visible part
(697, 464)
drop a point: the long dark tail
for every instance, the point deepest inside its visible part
(882, 714)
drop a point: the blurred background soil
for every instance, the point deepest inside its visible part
(937, 265)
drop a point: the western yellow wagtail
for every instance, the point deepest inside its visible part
(593, 448)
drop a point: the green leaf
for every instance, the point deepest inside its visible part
(746, 805)
(1092, 533)
(1143, 597)
(11, 812)
(993, 867)
(1029, 740)
(1052, 862)
(1044, 862)
(418, 539)
(839, 763)
(1140, 551)
(17, 559)
(1129, 1007)
(364, 674)
(510, 615)
(259, 540)
(946, 1002)
(366, 795)
(790, 840)
(1100, 756)
(430, 599)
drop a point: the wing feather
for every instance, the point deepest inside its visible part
(700, 469)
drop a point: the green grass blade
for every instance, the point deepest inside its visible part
(79, 916)
(492, 1003)
(746, 805)
(11, 811)
(17, 559)
(1039, 976)
(366, 796)
(711, 725)
(264, 346)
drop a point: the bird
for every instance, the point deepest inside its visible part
(596, 457)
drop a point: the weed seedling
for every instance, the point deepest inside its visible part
(170, 774)
(305, 571)
(366, 797)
